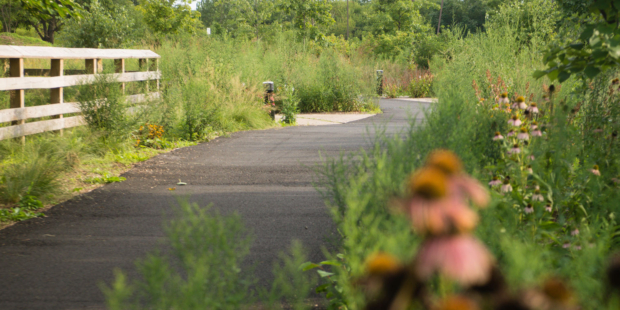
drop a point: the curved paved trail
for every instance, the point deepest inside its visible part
(58, 262)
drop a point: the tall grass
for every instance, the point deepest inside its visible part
(360, 187)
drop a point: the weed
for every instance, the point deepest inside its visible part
(105, 178)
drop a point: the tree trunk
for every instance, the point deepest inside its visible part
(439, 23)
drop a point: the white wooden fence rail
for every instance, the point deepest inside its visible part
(56, 80)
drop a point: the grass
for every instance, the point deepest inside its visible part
(7, 38)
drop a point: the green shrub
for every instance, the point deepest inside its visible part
(103, 105)
(210, 249)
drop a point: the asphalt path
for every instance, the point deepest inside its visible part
(58, 262)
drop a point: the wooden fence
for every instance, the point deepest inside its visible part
(22, 119)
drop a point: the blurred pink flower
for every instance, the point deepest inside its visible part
(506, 187)
(533, 108)
(528, 209)
(595, 170)
(566, 245)
(461, 258)
(498, 136)
(514, 150)
(534, 125)
(496, 181)
(523, 135)
(529, 170)
(574, 232)
(548, 208)
(537, 196)
(511, 133)
(536, 133)
(443, 216)
(514, 121)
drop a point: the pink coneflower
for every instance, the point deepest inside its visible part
(498, 136)
(506, 188)
(575, 232)
(432, 210)
(548, 208)
(459, 184)
(461, 258)
(528, 209)
(531, 157)
(523, 135)
(511, 133)
(566, 245)
(529, 170)
(514, 121)
(577, 248)
(522, 105)
(503, 99)
(496, 181)
(595, 170)
(534, 125)
(515, 149)
(537, 196)
(536, 133)
(533, 108)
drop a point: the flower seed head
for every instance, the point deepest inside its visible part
(445, 161)
(382, 264)
(557, 291)
(429, 182)
(520, 99)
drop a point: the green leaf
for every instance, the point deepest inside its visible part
(563, 76)
(331, 262)
(308, 265)
(324, 274)
(322, 288)
(538, 74)
(591, 71)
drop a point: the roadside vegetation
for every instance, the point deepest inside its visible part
(504, 197)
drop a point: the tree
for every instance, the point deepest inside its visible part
(595, 49)
(309, 16)
(101, 28)
(239, 18)
(12, 15)
(49, 16)
(168, 17)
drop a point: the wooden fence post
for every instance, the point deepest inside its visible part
(57, 94)
(143, 64)
(153, 66)
(17, 96)
(119, 67)
(91, 68)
